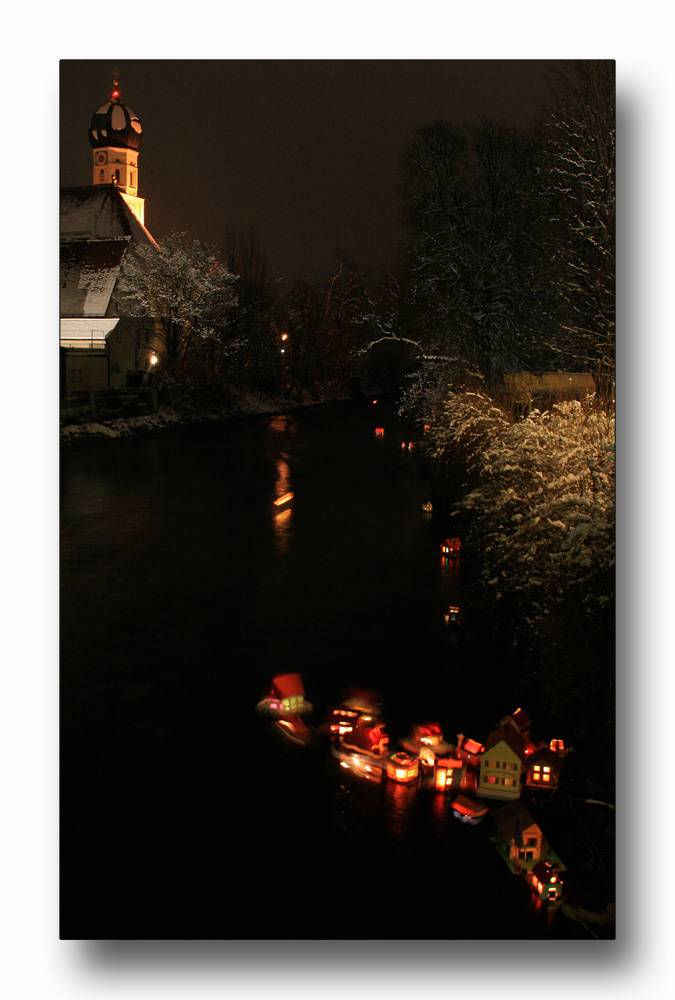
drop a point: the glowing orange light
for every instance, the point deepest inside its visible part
(553, 879)
(403, 446)
(441, 778)
(283, 499)
(374, 402)
(427, 428)
(379, 432)
(284, 336)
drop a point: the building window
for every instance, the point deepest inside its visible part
(131, 178)
(508, 781)
(492, 763)
(101, 176)
(531, 842)
(509, 767)
(75, 375)
(490, 779)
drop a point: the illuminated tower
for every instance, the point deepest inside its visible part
(115, 135)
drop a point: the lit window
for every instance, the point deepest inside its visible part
(508, 781)
(490, 779)
(492, 763)
(531, 842)
(547, 777)
(509, 767)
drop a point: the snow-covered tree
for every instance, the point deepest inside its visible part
(576, 188)
(543, 512)
(185, 287)
(464, 197)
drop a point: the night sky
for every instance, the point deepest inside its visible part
(305, 151)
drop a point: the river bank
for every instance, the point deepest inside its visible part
(171, 418)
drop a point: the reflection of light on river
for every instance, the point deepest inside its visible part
(283, 519)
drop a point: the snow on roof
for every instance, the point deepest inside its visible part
(86, 333)
(89, 270)
(99, 212)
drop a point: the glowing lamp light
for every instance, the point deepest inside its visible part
(284, 336)
(153, 359)
(285, 498)
(427, 428)
(441, 778)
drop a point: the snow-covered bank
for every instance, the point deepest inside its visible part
(168, 418)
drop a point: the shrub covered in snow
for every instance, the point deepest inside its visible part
(542, 511)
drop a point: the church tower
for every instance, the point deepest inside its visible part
(115, 136)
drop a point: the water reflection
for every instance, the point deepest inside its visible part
(283, 519)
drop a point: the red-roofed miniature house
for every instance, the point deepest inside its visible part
(502, 763)
(288, 689)
(469, 750)
(520, 721)
(522, 835)
(542, 769)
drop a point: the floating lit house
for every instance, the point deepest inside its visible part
(402, 767)
(469, 750)
(426, 737)
(427, 507)
(368, 736)
(286, 696)
(341, 720)
(469, 811)
(451, 546)
(379, 432)
(542, 769)
(453, 616)
(545, 878)
(449, 774)
(502, 764)
(521, 836)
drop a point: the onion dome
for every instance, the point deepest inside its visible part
(114, 124)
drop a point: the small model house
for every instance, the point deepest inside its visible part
(426, 737)
(286, 696)
(367, 737)
(542, 769)
(546, 881)
(468, 750)
(449, 774)
(521, 836)
(502, 763)
(403, 767)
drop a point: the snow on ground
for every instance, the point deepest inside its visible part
(168, 418)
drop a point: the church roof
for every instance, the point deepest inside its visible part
(89, 270)
(99, 211)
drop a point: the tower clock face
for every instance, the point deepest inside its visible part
(101, 158)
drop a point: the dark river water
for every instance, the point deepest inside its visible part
(183, 594)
